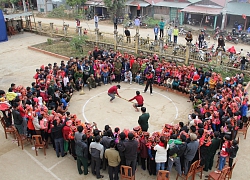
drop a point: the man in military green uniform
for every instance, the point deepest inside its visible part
(78, 74)
(143, 119)
(117, 70)
(135, 68)
(91, 82)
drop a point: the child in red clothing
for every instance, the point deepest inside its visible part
(224, 153)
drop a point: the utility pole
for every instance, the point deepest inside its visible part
(224, 13)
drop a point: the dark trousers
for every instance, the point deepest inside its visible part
(117, 78)
(156, 36)
(95, 166)
(187, 165)
(104, 163)
(132, 164)
(175, 39)
(128, 39)
(143, 163)
(209, 162)
(115, 26)
(149, 83)
(200, 44)
(59, 146)
(72, 147)
(161, 33)
(113, 172)
(82, 161)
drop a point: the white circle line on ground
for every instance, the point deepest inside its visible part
(83, 108)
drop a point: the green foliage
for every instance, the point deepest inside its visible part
(115, 6)
(151, 22)
(75, 2)
(58, 12)
(77, 42)
(49, 41)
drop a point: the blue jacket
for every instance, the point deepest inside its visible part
(244, 109)
(156, 30)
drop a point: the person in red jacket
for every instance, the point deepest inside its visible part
(113, 91)
(139, 100)
(66, 132)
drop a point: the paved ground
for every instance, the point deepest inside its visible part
(18, 65)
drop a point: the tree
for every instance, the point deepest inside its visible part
(115, 6)
(73, 3)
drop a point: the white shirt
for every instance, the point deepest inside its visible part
(65, 81)
(96, 19)
(137, 22)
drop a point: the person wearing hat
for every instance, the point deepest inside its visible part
(82, 154)
(91, 82)
(113, 91)
(139, 100)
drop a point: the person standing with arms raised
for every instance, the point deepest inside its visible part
(143, 119)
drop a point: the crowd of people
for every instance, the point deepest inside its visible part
(220, 108)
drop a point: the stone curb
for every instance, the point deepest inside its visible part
(48, 53)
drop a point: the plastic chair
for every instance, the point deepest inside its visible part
(219, 176)
(244, 129)
(7, 130)
(39, 143)
(191, 171)
(163, 175)
(126, 173)
(20, 138)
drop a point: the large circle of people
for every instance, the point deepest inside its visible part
(220, 108)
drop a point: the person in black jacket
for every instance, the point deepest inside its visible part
(121, 148)
(127, 33)
(177, 150)
(18, 120)
(201, 38)
(232, 152)
(56, 134)
(131, 152)
(82, 154)
(221, 43)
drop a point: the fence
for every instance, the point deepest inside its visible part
(134, 45)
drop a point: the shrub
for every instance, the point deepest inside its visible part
(49, 41)
(77, 42)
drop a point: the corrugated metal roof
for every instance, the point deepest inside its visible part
(194, 1)
(203, 9)
(238, 8)
(136, 3)
(172, 4)
(13, 16)
(95, 3)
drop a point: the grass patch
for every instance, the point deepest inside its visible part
(63, 48)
